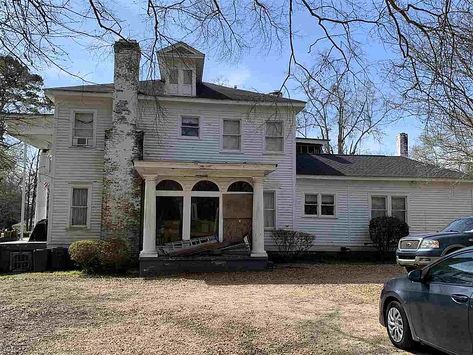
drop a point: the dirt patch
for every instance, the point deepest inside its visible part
(303, 309)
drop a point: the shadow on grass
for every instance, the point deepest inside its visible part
(297, 274)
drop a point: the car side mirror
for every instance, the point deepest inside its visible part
(415, 275)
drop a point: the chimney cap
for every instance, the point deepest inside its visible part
(124, 44)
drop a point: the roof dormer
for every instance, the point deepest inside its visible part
(181, 68)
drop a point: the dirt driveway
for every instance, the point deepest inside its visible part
(303, 309)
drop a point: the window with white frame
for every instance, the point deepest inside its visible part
(269, 209)
(319, 205)
(389, 205)
(231, 139)
(83, 129)
(79, 206)
(190, 126)
(274, 136)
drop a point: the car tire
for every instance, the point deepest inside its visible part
(410, 268)
(397, 325)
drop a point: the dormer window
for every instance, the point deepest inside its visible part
(174, 76)
(187, 77)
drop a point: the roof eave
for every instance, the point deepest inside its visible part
(383, 178)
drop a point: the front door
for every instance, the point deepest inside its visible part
(439, 310)
(237, 216)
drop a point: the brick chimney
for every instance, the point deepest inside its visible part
(403, 145)
(123, 143)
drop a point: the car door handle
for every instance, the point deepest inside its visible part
(460, 298)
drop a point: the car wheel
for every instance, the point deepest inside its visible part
(397, 326)
(410, 268)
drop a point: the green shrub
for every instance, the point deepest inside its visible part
(86, 253)
(292, 243)
(111, 255)
(385, 233)
(114, 254)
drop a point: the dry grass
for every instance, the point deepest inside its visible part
(293, 310)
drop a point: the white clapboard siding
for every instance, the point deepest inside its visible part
(76, 165)
(431, 206)
(162, 141)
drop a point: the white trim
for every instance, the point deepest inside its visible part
(276, 152)
(240, 135)
(368, 178)
(79, 185)
(72, 122)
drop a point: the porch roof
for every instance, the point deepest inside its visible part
(33, 129)
(202, 169)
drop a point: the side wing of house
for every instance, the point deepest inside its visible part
(77, 168)
(427, 206)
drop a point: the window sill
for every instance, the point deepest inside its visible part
(319, 217)
(83, 146)
(192, 138)
(77, 228)
(273, 153)
(226, 151)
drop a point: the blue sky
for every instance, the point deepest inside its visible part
(254, 69)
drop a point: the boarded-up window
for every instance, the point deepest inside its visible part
(274, 139)
(269, 209)
(79, 206)
(231, 135)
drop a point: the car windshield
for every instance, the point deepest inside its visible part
(460, 225)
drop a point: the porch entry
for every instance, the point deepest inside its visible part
(184, 200)
(206, 201)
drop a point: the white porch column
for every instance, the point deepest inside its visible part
(41, 205)
(257, 247)
(149, 218)
(186, 216)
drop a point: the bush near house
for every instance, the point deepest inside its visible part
(111, 255)
(291, 243)
(385, 233)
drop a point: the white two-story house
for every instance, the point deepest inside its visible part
(179, 159)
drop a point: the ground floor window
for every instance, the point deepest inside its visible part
(389, 205)
(168, 218)
(269, 209)
(319, 205)
(79, 206)
(204, 216)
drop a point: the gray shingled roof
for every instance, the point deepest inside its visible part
(370, 166)
(204, 91)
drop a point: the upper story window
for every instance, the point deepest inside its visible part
(274, 136)
(190, 127)
(231, 139)
(83, 129)
(173, 76)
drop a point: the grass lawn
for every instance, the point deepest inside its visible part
(303, 309)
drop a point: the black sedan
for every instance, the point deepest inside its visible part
(420, 250)
(433, 306)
